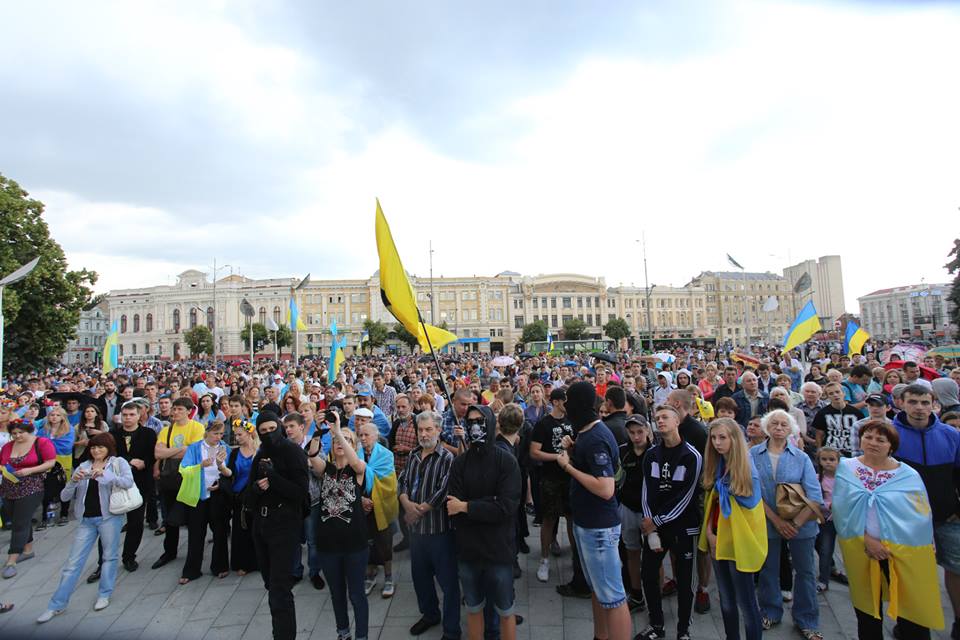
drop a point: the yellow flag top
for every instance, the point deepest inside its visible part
(397, 293)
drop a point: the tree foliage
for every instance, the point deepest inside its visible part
(261, 337)
(283, 337)
(617, 328)
(534, 332)
(574, 329)
(377, 333)
(40, 312)
(405, 336)
(953, 267)
(199, 340)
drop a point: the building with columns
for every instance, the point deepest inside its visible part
(914, 311)
(729, 294)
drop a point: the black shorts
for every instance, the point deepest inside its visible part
(554, 497)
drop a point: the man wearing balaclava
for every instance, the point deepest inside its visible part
(278, 495)
(482, 499)
(592, 463)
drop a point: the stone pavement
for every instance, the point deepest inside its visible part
(149, 604)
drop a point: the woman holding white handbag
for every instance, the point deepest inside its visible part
(90, 488)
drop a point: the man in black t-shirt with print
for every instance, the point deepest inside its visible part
(834, 424)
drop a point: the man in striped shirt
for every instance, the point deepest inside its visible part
(423, 495)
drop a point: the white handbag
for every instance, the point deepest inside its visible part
(123, 500)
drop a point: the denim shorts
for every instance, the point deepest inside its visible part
(482, 581)
(600, 558)
(946, 535)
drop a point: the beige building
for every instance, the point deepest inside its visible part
(92, 330)
(826, 283)
(913, 311)
(730, 294)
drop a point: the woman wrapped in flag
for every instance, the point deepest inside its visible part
(380, 501)
(201, 467)
(734, 527)
(61, 433)
(885, 530)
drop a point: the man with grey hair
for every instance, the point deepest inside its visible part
(812, 403)
(751, 401)
(423, 494)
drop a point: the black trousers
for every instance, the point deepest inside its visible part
(869, 627)
(243, 556)
(682, 547)
(132, 539)
(215, 513)
(276, 537)
(174, 518)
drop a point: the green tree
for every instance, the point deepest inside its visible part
(617, 328)
(405, 336)
(377, 333)
(534, 332)
(261, 337)
(954, 267)
(283, 337)
(574, 329)
(41, 312)
(199, 340)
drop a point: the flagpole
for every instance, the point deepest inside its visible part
(436, 360)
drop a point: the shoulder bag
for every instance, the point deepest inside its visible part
(170, 477)
(123, 500)
(791, 500)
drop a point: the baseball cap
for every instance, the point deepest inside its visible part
(636, 418)
(875, 398)
(362, 389)
(363, 412)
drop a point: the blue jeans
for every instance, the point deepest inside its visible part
(600, 557)
(435, 556)
(826, 542)
(806, 613)
(108, 530)
(345, 573)
(482, 581)
(736, 588)
(310, 524)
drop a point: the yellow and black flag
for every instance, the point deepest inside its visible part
(397, 293)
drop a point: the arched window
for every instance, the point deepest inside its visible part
(263, 316)
(210, 318)
(176, 320)
(136, 322)
(120, 352)
(193, 317)
(149, 322)
(123, 324)
(276, 315)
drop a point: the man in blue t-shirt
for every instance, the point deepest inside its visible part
(591, 464)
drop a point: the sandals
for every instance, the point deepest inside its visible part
(811, 634)
(6, 607)
(768, 624)
(160, 531)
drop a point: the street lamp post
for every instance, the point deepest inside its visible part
(216, 313)
(14, 277)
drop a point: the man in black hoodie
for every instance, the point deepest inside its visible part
(482, 500)
(277, 494)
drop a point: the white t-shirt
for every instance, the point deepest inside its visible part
(211, 473)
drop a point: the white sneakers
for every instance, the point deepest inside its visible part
(101, 604)
(48, 615)
(543, 571)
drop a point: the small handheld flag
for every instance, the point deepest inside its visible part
(803, 328)
(855, 338)
(8, 474)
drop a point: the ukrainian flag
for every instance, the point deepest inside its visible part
(111, 349)
(364, 337)
(336, 353)
(194, 487)
(397, 293)
(906, 530)
(293, 316)
(8, 474)
(741, 525)
(803, 328)
(549, 340)
(855, 338)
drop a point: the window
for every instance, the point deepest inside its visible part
(596, 301)
(263, 316)
(448, 296)
(422, 296)
(629, 302)
(356, 298)
(518, 322)
(210, 318)
(553, 303)
(133, 349)
(357, 317)
(553, 321)
(86, 341)
(579, 302)
(499, 333)
(336, 300)
(566, 302)
(493, 333)
(536, 303)
(611, 316)
(193, 317)
(580, 317)
(149, 322)
(589, 302)
(495, 314)
(543, 303)
(276, 315)
(121, 350)
(176, 320)
(136, 322)
(567, 318)
(123, 324)
(468, 295)
(495, 295)
(146, 348)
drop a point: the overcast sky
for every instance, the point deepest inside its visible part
(538, 136)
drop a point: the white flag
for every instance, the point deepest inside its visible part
(271, 324)
(772, 304)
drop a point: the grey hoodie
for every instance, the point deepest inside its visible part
(946, 391)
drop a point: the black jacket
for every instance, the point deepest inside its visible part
(617, 423)
(142, 443)
(488, 478)
(288, 475)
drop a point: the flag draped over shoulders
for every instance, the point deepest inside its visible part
(906, 530)
(741, 526)
(381, 483)
(194, 487)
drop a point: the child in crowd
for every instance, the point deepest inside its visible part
(828, 459)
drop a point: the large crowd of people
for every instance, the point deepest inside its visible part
(772, 474)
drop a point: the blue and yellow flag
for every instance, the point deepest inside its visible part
(336, 353)
(9, 474)
(549, 340)
(855, 338)
(397, 293)
(110, 348)
(741, 525)
(906, 530)
(381, 483)
(293, 316)
(194, 487)
(803, 328)
(364, 337)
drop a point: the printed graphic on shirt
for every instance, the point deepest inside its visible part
(557, 436)
(337, 496)
(840, 431)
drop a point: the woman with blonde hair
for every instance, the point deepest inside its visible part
(58, 430)
(734, 529)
